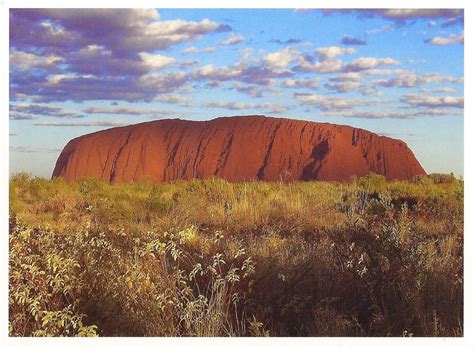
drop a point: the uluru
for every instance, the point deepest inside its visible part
(239, 148)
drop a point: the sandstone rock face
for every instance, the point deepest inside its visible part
(241, 148)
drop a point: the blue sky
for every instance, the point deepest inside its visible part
(396, 72)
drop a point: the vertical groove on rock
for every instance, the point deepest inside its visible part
(141, 161)
(106, 161)
(355, 136)
(114, 163)
(203, 152)
(224, 156)
(198, 150)
(174, 150)
(301, 137)
(261, 171)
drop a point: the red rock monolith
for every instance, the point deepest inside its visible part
(240, 148)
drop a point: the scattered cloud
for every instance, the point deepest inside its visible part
(281, 58)
(117, 110)
(400, 16)
(25, 111)
(350, 40)
(373, 72)
(82, 88)
(188, 63)
(271, 107)
(432, 101)
(365, 63)
(416, 61)
(328, 64)
(155, 61)
(459, 20)
(450, 40)
(370, 91)
(232, 40)
(445, 90)
(252, 90)
(82, 124)
(378, 30)
(408, 114)
(403, 14)
(174, 99)
(290, 41)
(247, 57)
(35, 150)
(351, 76)
(252, 74)
(327, 103)
(301, 83)
(329, 53)
(211, 73)
(24, 60)
(194, 49)
(246, 52)
(21, 116)
(304, 10)
(305, 64)
(99, 61)
(190, 49)
(408, 79)
(342, 87)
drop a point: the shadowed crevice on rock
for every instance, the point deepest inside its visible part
(261, 171)
(114, 163)
(310, 171)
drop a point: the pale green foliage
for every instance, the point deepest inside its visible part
(44, 286)
(156, 284)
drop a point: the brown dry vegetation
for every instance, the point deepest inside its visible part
(212, 258)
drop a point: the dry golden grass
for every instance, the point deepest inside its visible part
(212, 258)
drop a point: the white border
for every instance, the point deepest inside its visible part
(240, 343)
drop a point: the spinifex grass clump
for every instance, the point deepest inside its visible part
(212, 258)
